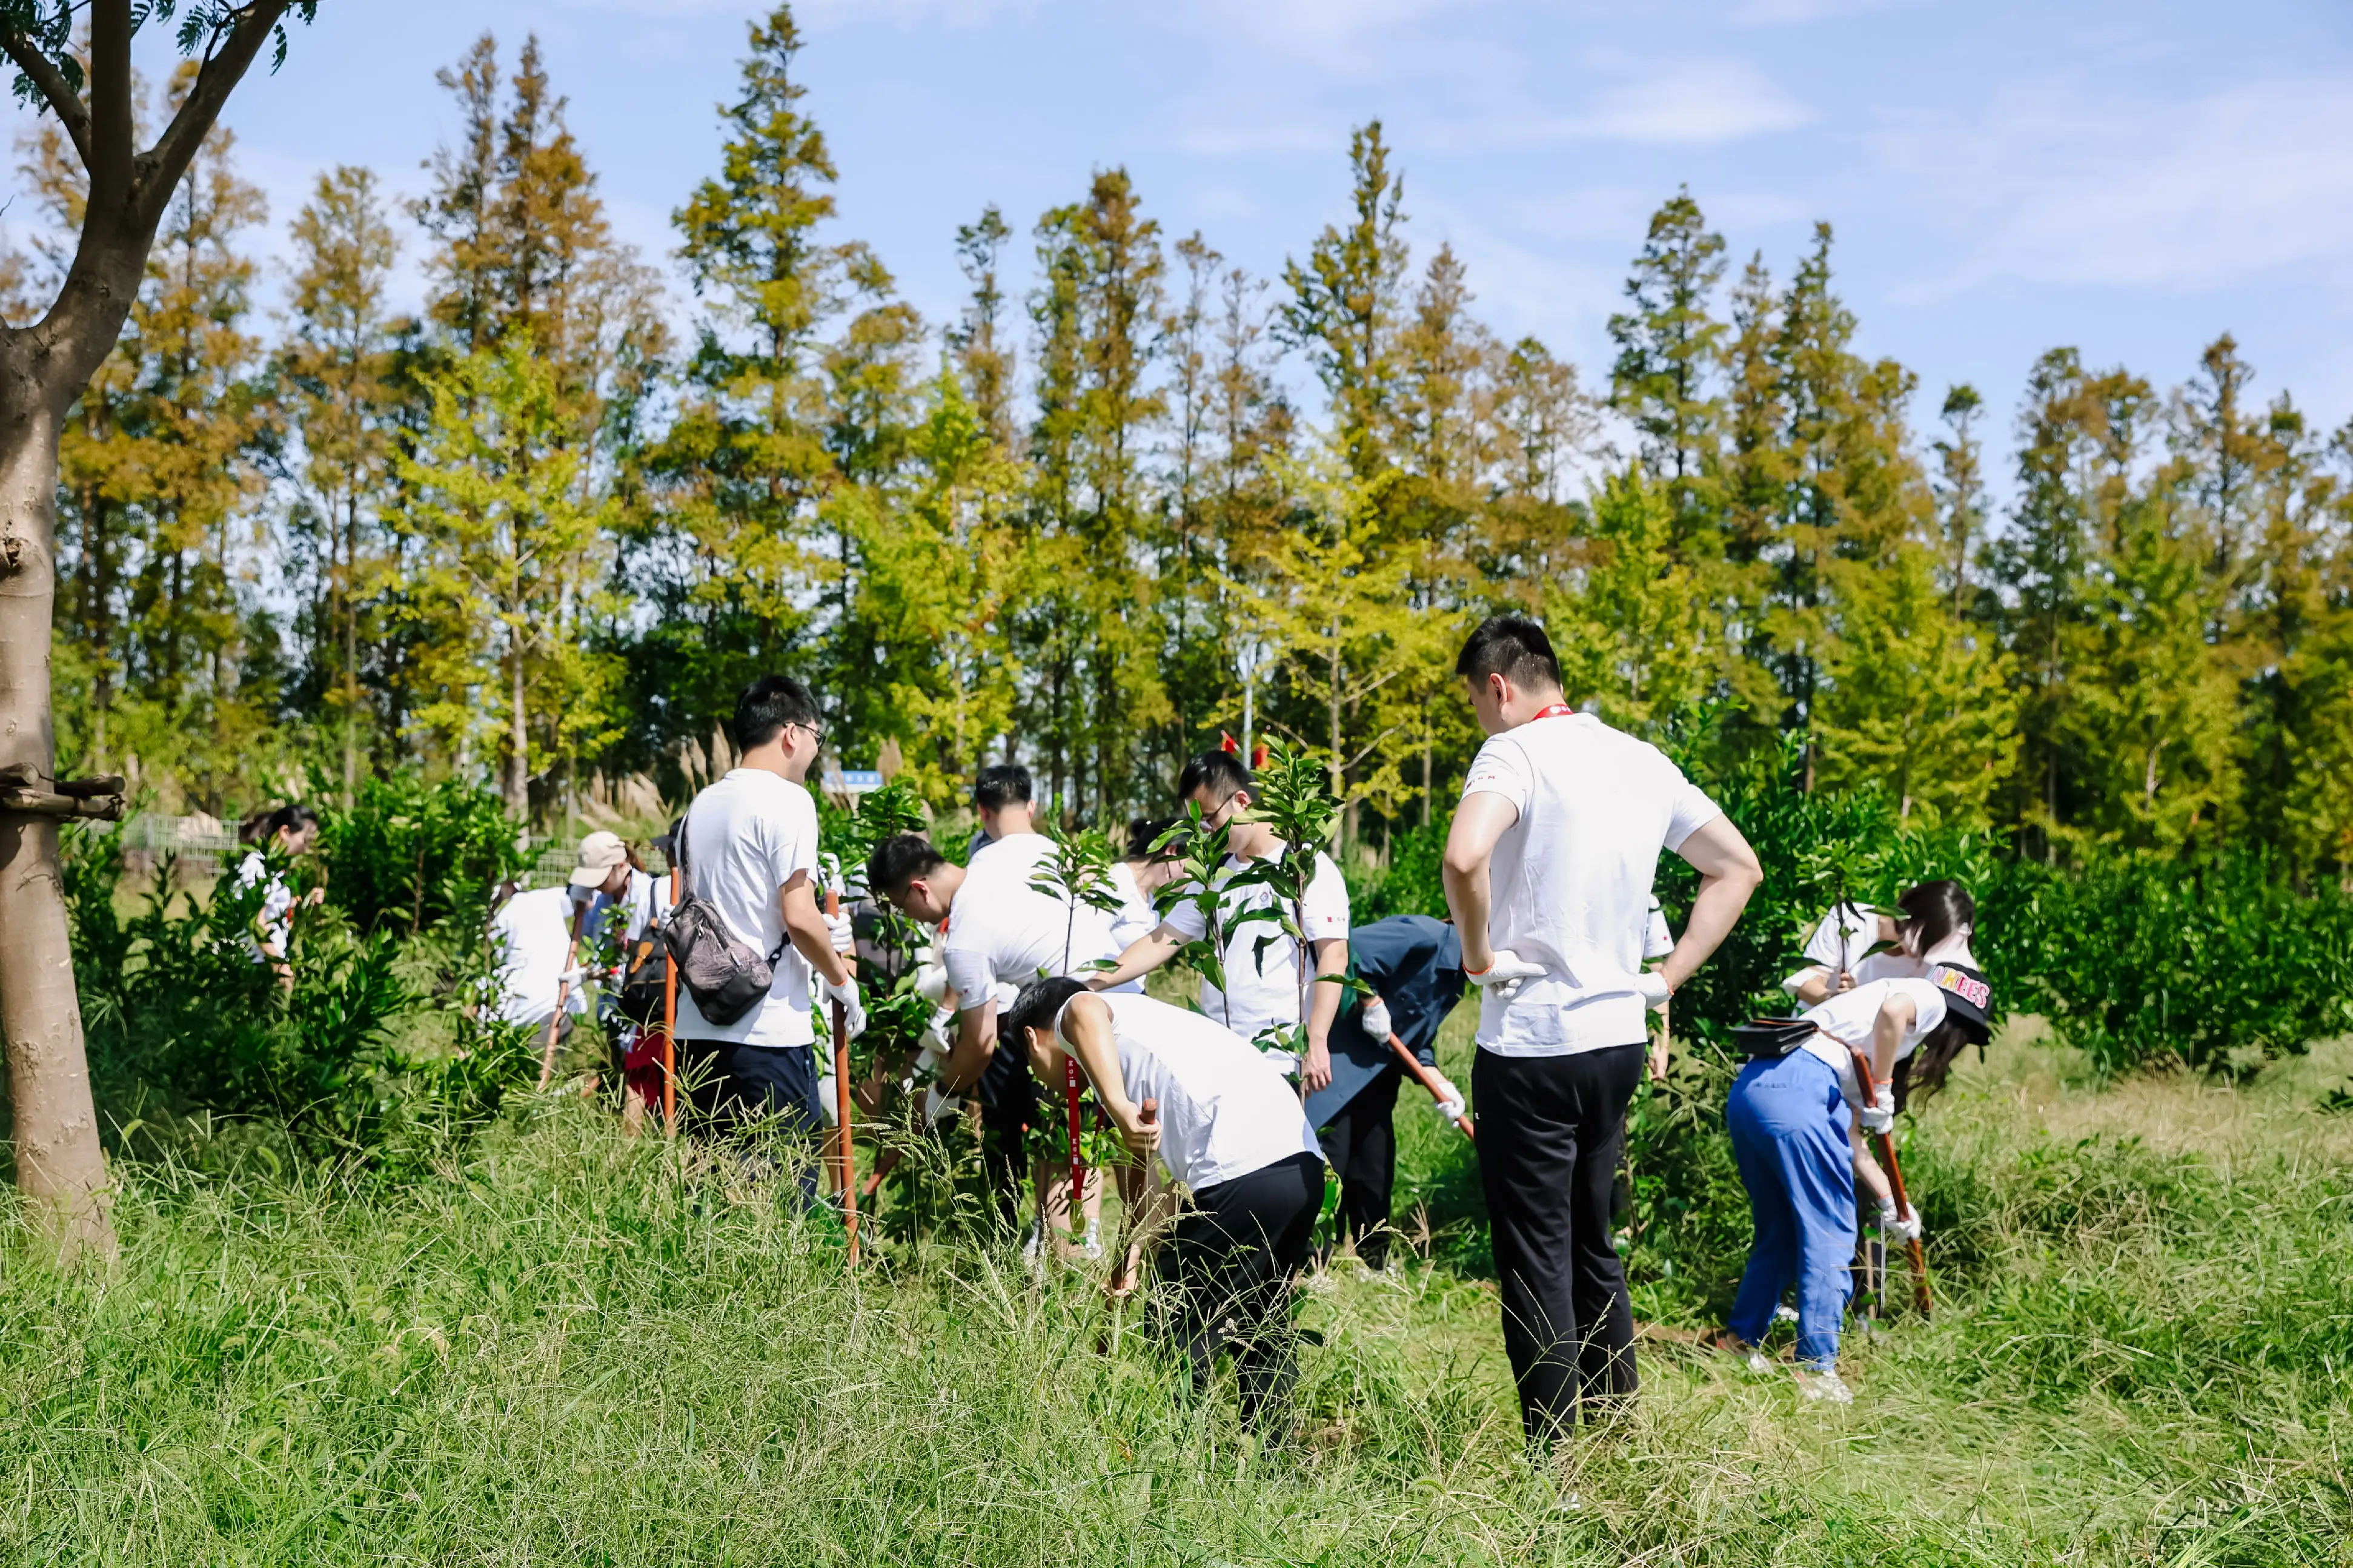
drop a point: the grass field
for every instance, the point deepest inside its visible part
(571, 1351)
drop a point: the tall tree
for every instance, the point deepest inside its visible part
(1346, 299)
(1668, 342)
(1961, 491)
(43, 368)
(338, 371)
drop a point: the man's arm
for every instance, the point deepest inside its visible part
(804, 925)
(1728, 875)
(1323, 998)
(1087, 1034)
(975, 1043)
(1144, 954)
(1480, 822)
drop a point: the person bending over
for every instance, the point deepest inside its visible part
(1412, 966)
(1261, 960)
(1796, 1123)
(997, 932)
(1854, 946)
(1230, 1129)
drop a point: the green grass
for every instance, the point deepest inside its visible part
(567, 1350)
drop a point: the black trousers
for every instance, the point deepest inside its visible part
(1361, 1144)
(1229, 1261)
(1010, 1107)
(1550, 1131)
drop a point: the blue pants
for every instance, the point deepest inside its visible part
(1790, 1133)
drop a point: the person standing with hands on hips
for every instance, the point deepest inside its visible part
(1549, 868)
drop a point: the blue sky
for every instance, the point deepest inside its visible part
(2128, 178)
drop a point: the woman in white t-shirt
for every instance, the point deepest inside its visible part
(1138, 879)
(1854, 946)
(1796, 1123)
(1229, 1127)
(289, 832)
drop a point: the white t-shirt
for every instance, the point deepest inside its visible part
(1862, 931)
(1846, 1023)
(1137, 918)
(1002, 931)
(1224, 1109)
(533, 932)
(277, 914)
(1570, 881)
(1264, 986)
(746, 837)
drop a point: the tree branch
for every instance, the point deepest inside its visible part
(62, 99)
(163, 165)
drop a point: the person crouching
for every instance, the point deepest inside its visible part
(1230, 1129)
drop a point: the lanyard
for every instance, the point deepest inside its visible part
(1557, 711)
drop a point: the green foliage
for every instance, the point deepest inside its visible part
(1409, 885)
(182, 1020)
(411, 856)
(1292, 796)
(2139, 960)
(1076, 871)
(1199, 854)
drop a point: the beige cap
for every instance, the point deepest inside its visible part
(599, 853)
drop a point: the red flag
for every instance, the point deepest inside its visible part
(1257, 756)
(1226, 743)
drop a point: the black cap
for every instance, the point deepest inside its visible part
(1967, 993)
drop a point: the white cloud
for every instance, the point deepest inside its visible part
(1690, 103)
(2052, 184)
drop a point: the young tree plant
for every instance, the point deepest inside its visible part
(1292, 797)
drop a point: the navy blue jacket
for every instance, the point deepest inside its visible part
(1415, 964)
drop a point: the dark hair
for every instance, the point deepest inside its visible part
(1513, 647)
(264, 826)
(1037, 1005)
(1935, 911)
(1143, 833)
(1932, 1062)
(767, 705)
(898, 860)
(1220, 772)
(1000, 785)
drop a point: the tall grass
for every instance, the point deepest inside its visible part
(569, 1350)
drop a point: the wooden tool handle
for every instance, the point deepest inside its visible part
(845, 1154)
(1429, 1076)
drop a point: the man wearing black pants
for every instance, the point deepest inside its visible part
(1549, 867)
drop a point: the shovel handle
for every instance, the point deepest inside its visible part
(844, 1153)
(1428, 1077)
(1884, 1144)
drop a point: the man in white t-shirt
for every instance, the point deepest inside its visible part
(749, 846)
(1549, 868)
(999, 934)
(1263, 971)
(538, 936)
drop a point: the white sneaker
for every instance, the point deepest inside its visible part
(1754, 1361)
(1829, 1387)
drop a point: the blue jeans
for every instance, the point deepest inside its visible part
(1790, 1133)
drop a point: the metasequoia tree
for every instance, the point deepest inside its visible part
(43, 368)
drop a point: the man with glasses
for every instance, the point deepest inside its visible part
(1261, 960)
(750, 845)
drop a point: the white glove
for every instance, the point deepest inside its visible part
(837, 927)
(826, 1101)
(931, 984)
(853, 1009)
(571, 977)
(1449, 1107)
(1904, 1229)
(1653, 985)
(1376, 1020)
(1879, 1116)
(1505, 973)
(936, 1103)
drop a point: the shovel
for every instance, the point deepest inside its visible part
(1885, 1144)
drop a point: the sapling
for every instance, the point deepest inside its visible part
(1292, 798)
(1076, 870)
(1198, 851)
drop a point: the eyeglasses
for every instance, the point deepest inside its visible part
(816, 731)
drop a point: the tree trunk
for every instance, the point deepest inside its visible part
(59, 1164)
(518, 736)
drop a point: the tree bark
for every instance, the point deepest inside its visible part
(59, 1164)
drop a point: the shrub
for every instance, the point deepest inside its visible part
(410, 854)
(183, 1019)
